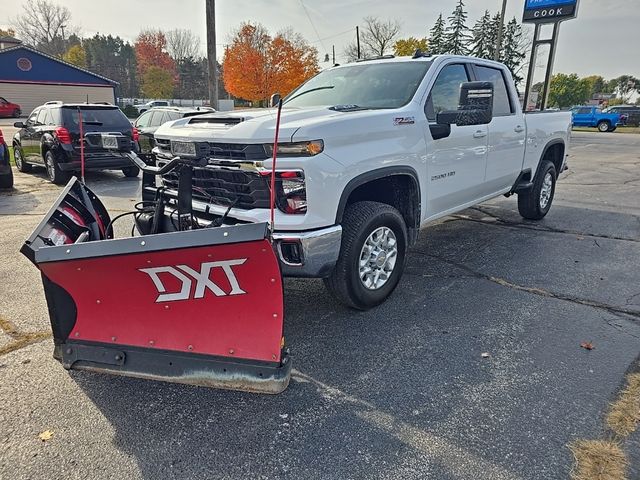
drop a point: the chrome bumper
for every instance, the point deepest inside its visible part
(318, 251)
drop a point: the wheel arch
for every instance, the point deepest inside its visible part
(397, 186)
(555, 152)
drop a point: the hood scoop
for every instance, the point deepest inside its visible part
(206, 120)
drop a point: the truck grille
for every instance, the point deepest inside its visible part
(225, 151)
(224, 187)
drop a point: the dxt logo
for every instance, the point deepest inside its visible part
(186, 275)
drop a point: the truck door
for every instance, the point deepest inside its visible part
(456, 163)
(507, 132)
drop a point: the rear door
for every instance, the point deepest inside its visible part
(30, 149)
(455, 164)
(506, 131)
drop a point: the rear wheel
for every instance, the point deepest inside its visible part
(604, 126)
(17, 113)
(56, 175)
(132, 171)
(21, 165)
(535, 203)
(372, 254)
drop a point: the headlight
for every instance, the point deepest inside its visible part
(296, 149)
(189, 149)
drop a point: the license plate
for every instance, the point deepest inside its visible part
(110, 142)
(187, 149)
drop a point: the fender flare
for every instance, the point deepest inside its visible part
(376, 175)
(555, 141)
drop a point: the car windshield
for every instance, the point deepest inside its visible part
(106, 117)
(368, 85)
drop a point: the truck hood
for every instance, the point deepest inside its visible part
(256, 125)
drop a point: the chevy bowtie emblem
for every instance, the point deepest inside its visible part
(186, 275)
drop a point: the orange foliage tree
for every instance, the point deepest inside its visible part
(151, 51)
(256, 65)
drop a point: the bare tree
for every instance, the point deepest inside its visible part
(182, 44)
(376, 38)
(44, 25)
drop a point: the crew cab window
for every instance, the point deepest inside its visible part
(584, 111)
(501, 101)
(445, 94)
(42, 117)
(157, 119)
(144, 120)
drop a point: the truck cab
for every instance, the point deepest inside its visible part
(594, 117)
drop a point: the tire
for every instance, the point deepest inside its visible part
(18, 157)
(6, 181)
(365, 223)
(535, 203)
(132, 171)
(17, 113)
(612, 129)
(54, 173)
(603, 126)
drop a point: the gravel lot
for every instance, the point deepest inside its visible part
(401, 391)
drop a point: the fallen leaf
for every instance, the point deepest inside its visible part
(587, 345)
(484, 355)
(46, 435)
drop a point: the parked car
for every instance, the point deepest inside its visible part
(51, 137)
(149, 121)
(9, 109)
(6, 174)
(152, 104)
(369, 154)
(629, 113)
(594, 117)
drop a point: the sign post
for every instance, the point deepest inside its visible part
(541, 12)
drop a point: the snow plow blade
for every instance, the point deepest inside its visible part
(202, 307)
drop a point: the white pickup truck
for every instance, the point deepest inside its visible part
(371, 152)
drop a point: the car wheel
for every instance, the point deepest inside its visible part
(535, 203)
(16, 113)
(612, 129)
(372, 255)
(21, 164)
(131, 171)
(56, 175)
(6, 181)
(604, 126)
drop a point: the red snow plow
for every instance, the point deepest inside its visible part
(181, 302)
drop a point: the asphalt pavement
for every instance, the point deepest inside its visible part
(472, 369)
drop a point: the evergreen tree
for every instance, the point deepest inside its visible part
(481, 45)
(514, 46)
(457, 34)
(436, 37)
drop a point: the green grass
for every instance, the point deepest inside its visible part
(11, 160)
(618, 130)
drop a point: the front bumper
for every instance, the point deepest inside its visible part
(317, 251)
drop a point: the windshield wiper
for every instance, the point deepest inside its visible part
(309, 91)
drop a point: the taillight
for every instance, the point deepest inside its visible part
(135, 134)
(291, 192)
(63, 135)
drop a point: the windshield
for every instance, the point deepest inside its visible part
(369, 85)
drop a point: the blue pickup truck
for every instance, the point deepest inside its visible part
(594, 117)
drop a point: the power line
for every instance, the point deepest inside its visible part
(313, 25)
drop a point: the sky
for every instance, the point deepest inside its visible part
(602, 40)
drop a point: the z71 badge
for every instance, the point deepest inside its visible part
(404, 120)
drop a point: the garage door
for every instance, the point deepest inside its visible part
(31, 95)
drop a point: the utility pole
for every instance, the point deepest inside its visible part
(333, 47)
(496, 54)
(211, 53)
(358, 40)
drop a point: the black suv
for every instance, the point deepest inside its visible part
(631, 113)
(150, 120)
(51, 137)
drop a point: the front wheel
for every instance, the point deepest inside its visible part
(604, 126)
(372, 255)
(535, 203)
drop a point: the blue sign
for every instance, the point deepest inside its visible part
(549, 11)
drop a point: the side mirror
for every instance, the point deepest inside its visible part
(475, 106)
(19, 125)
(275, 98)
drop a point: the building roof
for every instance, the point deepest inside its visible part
(10, 40)
(55, 59)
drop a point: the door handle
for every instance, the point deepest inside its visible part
(480, 134)
(519, 129)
